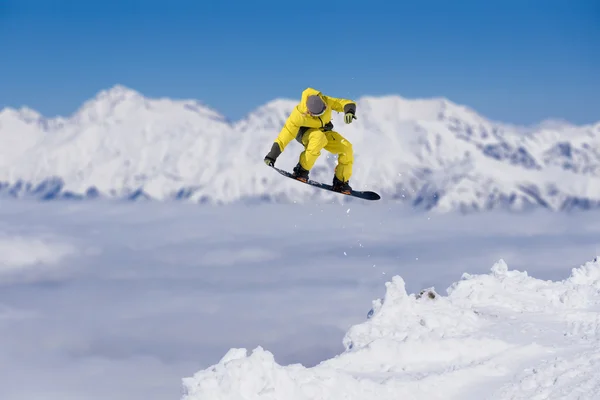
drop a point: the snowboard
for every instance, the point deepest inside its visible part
(361, 194)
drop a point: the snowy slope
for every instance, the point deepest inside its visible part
(431, 153)
(504, 335)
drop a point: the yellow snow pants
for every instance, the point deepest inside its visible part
(314, 140)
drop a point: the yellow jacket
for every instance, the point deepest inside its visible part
(300, 120)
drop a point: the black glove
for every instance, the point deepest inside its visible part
(269, 161)
(272, 155)
(348, 117)
(328, 127)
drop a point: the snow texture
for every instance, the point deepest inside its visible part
(502, 335)
(429, 153)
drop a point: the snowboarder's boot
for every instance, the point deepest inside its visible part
(300, 173)
(342, 187)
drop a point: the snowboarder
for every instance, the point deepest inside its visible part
(310, 124)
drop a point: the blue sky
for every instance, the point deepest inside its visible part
(515, 61)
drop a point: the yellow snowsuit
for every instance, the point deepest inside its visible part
(309, 131)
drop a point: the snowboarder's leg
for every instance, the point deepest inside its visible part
(314, 141)
(337, 144)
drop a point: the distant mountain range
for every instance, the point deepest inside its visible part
(430, 153)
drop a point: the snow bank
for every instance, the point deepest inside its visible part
(503, 335)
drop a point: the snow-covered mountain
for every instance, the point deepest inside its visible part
(431, 153)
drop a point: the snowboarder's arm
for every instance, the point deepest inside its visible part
(286, 135)
(341, 105)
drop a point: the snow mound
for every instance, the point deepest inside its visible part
(502, 335)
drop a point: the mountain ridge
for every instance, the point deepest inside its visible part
(430, 153)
